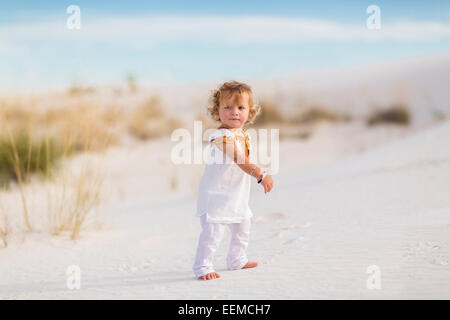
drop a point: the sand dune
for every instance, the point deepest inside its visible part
(420, 83)
(314, 235)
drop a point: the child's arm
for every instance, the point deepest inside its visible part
(228, 146)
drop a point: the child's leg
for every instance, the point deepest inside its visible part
(240, 234)
(207, 244)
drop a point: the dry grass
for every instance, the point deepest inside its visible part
(36, 139)
(69, 208)
(22, 154)
(72, 201)
(149, 121)
(18, 162)
(88, 126)
(75, 196)
(396, 114)
(150, 109)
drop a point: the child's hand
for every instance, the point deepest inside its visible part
(267, 183)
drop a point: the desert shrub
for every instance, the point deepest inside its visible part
(79, 90)
(396, 114)
(317, 114)
(87, 128)
(143, 129)
(112, 116)
(19, 155)
(89, 136)
(269, 113)
(299, 134)
(149, 121)
(130, 79)
(150, 109)
(17, 116)
(207, 121)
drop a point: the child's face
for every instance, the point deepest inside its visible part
(233, 110)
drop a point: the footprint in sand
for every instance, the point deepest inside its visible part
(270, 217)
(291, 241)
(287, 229)
(429, 251)
(135, 267)
(440, 261)
(296, 226)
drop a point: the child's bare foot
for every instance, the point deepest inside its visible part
(250, 264)
(209, 276)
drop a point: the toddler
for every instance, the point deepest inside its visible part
(224, 190)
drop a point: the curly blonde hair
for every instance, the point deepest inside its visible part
(227, 89)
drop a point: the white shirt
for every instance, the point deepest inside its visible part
(224, 189)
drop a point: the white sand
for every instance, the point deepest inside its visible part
(327, 219)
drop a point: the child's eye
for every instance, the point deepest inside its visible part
(227, 107)
(241, 107)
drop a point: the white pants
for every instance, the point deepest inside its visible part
(210, 238)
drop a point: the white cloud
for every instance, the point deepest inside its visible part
(219, 29)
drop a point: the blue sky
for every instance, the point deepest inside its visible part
(340, 10)
(184, 41)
